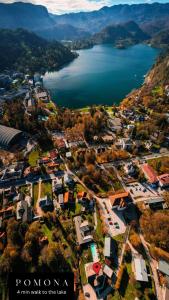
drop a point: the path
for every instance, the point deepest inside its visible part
(38, 208)
(153, 265)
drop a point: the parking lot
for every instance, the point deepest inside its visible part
(114, 219)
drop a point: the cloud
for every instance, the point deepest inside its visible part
(64, 6)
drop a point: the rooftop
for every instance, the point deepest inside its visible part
(149, 173)
(163, 267)
(140, 269)
(8, 134)
(164, 179)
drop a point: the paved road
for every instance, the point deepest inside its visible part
(153, 265)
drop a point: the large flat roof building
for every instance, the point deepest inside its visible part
(9, 136)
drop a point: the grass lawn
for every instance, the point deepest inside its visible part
(78, 208)
(47, 232)
(119, 238)
(35, 193)
(160, 164)
(25, 189)
(99, 232)
(82, 273)
(46, 189)
(80, 188)
(33, 157)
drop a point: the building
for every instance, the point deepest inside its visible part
(129, 169)
(126, 143)
(9, 136)
(163, 267)
(24, 210)
(46, 203)
(82, 231)
(108, 271)
(163, 180)
(120, 201)
(156, 203)
(107, 246)
(115, 124)
(149, 173)
(139, 269)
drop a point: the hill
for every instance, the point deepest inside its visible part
(128, 33)
(120, 36)
(24, 15)
(161, 39)
(23, 50)
(36, 18)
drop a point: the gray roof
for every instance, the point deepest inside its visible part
(7, 134)
(107, 247)
(163, 267)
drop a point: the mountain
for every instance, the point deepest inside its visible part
(36, 18)
(161, 39)
(129, 32)
(120, 36)
(79, 25)
(97, 20)
(24, 15)
(62, 32)
(25, 51)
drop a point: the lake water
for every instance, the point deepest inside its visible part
(101, 75)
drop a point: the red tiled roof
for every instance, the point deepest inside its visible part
(149, 173)
(119, 199)
(164, 179)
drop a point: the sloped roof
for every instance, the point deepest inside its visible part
(7, 134)
(149, 173)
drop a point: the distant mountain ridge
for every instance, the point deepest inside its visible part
(152, 18)
(142, 14)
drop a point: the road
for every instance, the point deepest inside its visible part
(153, 265)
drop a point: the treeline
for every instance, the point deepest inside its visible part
(25, 51)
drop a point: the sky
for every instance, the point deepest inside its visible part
(67, 6)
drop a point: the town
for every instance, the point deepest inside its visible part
(92, 187)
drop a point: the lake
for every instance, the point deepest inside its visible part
(101, 75)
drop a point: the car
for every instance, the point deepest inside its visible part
(110, 223)
(109, 219)
(116, 223)
(117, 227)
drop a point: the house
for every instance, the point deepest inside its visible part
(82, 231)
(115, 124)
(91, 273)
(107, 246)
(120, 201)
(7, 213)
(140, 269)
(163, 180)
(126, 143)
(24, 210)
(108, 271)
(129, 169)
(149, 173)
(46, 203)
(163, 267)
(156, 203)
(68, 199)
(61, 200)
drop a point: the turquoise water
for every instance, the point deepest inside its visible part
(101, 75)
